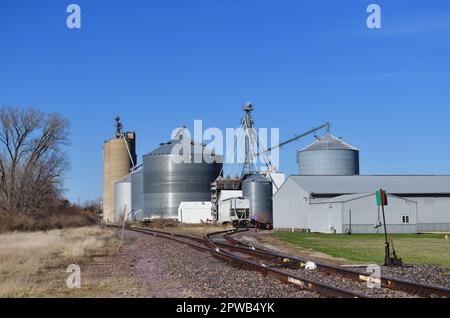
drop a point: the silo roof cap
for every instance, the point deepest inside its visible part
(328, 142)
(256, 178)
(181, 141)
(168, 148)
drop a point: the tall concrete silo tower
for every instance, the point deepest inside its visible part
(119, 156)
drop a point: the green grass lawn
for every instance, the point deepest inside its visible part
(369, 248)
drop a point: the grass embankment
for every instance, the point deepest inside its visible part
(26, 258)
(431, 249)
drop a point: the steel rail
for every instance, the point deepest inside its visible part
(171, 236)
(417, 289)
(217, 252)
(302, 282)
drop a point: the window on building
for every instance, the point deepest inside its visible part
(405, 219)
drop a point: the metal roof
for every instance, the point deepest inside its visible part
(255, 178)
(195, 149)
(181, 140)
(167, 148)
(401, 184)
(328, 142)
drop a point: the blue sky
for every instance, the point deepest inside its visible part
(161, 64)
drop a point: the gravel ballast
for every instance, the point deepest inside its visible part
(169, 269)
(162, 268)
(424, 274)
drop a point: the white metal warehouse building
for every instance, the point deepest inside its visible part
(338, 204)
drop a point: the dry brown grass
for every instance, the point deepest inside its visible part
(69, 218)
(25, 256)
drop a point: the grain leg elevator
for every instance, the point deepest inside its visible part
(119, 157)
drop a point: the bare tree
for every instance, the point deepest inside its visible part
(32, 158)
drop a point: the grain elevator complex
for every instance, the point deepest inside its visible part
(119, 157)
(328, 195)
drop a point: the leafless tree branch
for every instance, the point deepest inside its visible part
(32, 158)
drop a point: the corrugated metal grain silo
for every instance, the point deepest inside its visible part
(259, 190)
(137, 202)
(122, 198)
(168, 182)
(328, 156)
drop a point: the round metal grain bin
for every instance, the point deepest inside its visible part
(122, 197)
(168, 182)
(258, 189)
(328, 156)
(137, 202)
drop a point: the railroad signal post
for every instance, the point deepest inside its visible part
(382, 200)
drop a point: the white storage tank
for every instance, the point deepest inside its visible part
(122, 197)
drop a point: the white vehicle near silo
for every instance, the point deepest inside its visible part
(227, 194)
(234, 210)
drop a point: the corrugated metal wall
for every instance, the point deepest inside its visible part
(259, 190)
(434, 213)
(291, 207)
(329, 163)
(326, 218)
(137, 184)
(167, 182)
(365, 214)
(426, 214)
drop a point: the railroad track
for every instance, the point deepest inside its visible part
(206, 244)
(288, 271)
(416, 289)
(244, 255)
